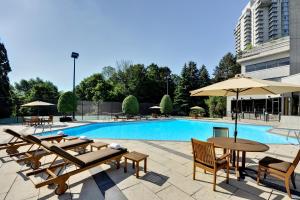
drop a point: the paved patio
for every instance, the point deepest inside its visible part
(169, 176)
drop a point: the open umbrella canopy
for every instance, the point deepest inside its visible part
(154, 107)
(196, 108)
(37, 104)
(241, 85)
(245, 86)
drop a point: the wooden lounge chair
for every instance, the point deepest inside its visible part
(33, 157)
(205, 158)
(279, 169)
(82, 162)
(18, 141)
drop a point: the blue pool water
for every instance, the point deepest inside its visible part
(177, 130)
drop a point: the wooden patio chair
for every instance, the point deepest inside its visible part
(280, 169)
(55, 173)
(49, 120)
(18, 141)
(205, 158)
(33, 157)
(221, 132)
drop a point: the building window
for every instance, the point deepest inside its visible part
(268, 64)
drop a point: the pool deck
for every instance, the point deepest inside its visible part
(169, 176)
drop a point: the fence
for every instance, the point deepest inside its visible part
(86, 110)
(89, 110)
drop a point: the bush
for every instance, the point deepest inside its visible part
(217, 106)
(130, 105)
(166, 105)
(66, 102)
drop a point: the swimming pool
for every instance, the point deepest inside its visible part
(175, 130)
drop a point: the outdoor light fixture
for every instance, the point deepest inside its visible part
(75, 56)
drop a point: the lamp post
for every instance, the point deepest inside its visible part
(74, 55)
(167, 77)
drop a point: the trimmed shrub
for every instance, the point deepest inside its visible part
(66, 102)
(130, 105)
(166, 105)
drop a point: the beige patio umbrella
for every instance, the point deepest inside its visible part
(241, 85)
(37, 104)
(196, 108)
(155, 107)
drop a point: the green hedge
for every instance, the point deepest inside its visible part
(66, 102)
(166, 105)
(130, 105)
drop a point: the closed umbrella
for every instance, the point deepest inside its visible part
(242, 85)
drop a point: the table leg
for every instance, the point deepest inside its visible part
(137, 169)
(233, 158)
(133, 164)
(91, 149)
(237, 171)
(145, 165)
(125, 165)
(243, 159)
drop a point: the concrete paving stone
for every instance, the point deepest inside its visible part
(2, 196)
(186, 184)
(7, 182)
(173, 193)
(123, 180)
(22, 190)
(253, 188)
(221, 193)
(154, 181)
(85, 189)
(276, 195)
(241, 194)
(139, 191)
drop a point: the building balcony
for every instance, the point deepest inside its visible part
(266, 49)
(263, 3)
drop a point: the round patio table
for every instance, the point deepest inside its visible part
(241, 145)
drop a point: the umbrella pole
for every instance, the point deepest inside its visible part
(236, 115)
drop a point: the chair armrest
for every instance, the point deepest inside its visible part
(224, 156)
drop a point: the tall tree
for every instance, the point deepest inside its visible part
(37, 89)
(5, 102)
(108, 72)
(204, 79)
(227, 68)
(189, 81)
(93, 88)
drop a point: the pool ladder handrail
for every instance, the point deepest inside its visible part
(297, 134)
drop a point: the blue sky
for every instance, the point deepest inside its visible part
(41, 34)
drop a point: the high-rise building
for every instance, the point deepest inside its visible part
(260, 22)
(267, 42)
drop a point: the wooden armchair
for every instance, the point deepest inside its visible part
(49, 120)
(280, 169)
(205, 158)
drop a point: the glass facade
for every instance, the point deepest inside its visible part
(285, 17)
(268, 64)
